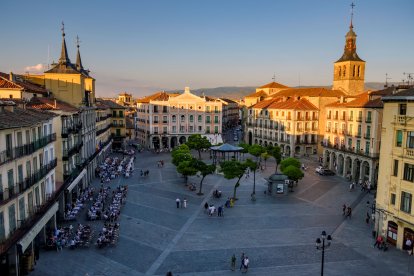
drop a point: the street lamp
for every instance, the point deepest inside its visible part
(320, 245)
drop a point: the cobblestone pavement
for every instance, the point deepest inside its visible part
(278, 233)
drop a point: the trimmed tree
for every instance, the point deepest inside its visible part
(204, 170)
(257, 151)
(289, 162)
(181, 153)
(186, 168)
(233, 169)
(293, 173)
(276, 154)
(245, 148)
(198, 143)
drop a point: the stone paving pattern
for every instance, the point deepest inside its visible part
(278, 233)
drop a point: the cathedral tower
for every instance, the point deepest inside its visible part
(349, 70)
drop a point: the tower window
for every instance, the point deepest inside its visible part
(344, 73)
(359, 71)
(340, 71)
(353, 71)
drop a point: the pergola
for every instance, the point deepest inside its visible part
(226, 150)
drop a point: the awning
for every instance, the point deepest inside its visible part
(29, 237)
(76, 181)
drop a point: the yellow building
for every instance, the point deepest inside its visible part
(117, 122)
(165, 120)
(394, 202)
(28, 186)
(14, 86)
(125, 99)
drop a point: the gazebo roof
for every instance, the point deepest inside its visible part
(226, 148)
(277, 177)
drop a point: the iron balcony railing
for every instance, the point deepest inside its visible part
(20, 151)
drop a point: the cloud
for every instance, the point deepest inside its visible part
(35, 68)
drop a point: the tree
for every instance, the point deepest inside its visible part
(293, 173)
(257, 151)
(186, 168)
(182, 153)
(198, 143)
(289, 162)
(274, 151)
(204, 170)
(233, 169)
(265, 156)
(245, 148)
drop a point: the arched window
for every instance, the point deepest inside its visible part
(200, 118)
(354, 71)
(359, 71)
(182, 118)
(174, 118)
(191, 118)
(340, 71)
(344, 71)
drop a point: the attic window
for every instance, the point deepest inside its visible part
(199, 107)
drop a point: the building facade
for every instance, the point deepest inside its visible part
(394, 201)
(28, 189)
(166, 120)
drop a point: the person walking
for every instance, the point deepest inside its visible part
(343, 209)
(246, 264)
(233, 262)
(185, 203)
(367, 218)
(205, 207)
(349, 212)
(177, 201)
(409, 246)
(241, 261)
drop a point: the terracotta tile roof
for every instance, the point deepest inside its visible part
(274, 85)
(42, 103)
(361, 101)
(257, 94)
(159, 96)
(6, 84)
(227, 100)
(20, 117)
(20, 82)
(278, 103)
(110, 104)
(310, 92)
(124, 94)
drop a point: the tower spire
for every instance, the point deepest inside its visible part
(64, 57)
(79, 65)
(352, 15)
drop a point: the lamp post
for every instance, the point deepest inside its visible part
(321, 245)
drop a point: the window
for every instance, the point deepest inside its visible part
(392, 201)
(174, 129)
(208, 129)
(410, 139)
(398, 141)
(216, 129)
(2, 233)
(216, 120)
(22, 214)
(9, 145)
(358, 145)
(368, 134)
(12, 218)
(408, 172)
(200, 128)
(164, 130)
(367, 146)
(191, 118)
(402, 109)
(174, 118)
(208, 119)
(10, 179)
(200, 118)
(406, 202)
(182, 118)
(369, 117)
(37, 196)
(395, 171)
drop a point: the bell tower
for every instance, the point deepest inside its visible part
(349, 70)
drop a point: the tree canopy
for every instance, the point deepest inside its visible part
(186, 168)
(198, 143)
(289, 162)
(275, 152)
(233, 169)
(204, 170)
(182, 153)
(293, 173)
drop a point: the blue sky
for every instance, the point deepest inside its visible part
(143, 46)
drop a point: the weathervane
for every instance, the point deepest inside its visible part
(274, 77)
(77, 41)
(386, 80)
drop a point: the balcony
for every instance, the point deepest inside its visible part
(75, 128)
(409, 153)
(165, 122)
(119, 115)
(335, 131)
(328, 130)
(359, 119)
(367, 136)
(358, 135)
(342, 118)
(20, 151)
(328, 116)
(13, 191)
(350, 118)
(99, 132)
(352, 150)
(403, 120)
(156, 122)
(74, 149)
(368, 120)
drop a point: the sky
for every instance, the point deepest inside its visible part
(145, 46)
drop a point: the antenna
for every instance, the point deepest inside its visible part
(274, 77)
(48, 56)
(386, 80)
(410, 77)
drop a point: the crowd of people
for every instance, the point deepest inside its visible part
(114, 167)
(74, 208)
(109, 235)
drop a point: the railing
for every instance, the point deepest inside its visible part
(367, 136)
(343, 118)
(11, 192)
(20, 151)
(99, 132)
(119, 116)
(74, 149)
(350, 118)
(328, 130)
(335, 130)
(409, 153)
(368, 120)
(165, 122)
(328, 116)
(358, 135)
(359, 119)
(343, 148)
(403, 119)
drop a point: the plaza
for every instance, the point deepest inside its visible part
(277, 233)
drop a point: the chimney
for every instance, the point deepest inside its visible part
(11, 76)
